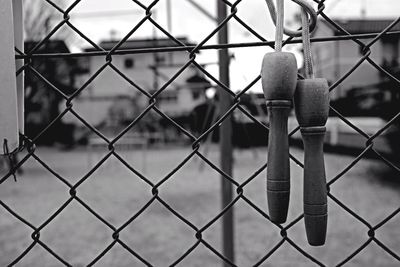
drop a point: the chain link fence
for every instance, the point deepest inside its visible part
(196, 141)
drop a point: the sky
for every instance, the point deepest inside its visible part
(101, 19)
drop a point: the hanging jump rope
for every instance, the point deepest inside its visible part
(311, 101)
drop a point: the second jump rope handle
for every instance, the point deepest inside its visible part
(279, 78)
(311, 103)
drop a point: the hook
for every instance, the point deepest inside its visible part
(309, 9)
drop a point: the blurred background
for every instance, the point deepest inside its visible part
(118, 185)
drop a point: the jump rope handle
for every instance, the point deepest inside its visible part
(279, 77)
(311, 102)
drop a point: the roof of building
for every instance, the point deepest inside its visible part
(361, 26)
(50, 46)
(142, 43)
(77, 65)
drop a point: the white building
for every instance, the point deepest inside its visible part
(367, 95)
(335, 58)
(147, 70)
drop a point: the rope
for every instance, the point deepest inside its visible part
(308, 64)
(308, 23)
(279, 25)
(310, 10)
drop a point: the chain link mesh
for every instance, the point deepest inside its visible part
(240, 196)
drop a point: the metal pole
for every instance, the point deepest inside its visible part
(19, 43)
(225, 137)
(155, 55)
(169, 26)
(169, 17)
(8, 94)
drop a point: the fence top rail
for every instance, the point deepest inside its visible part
(204, 47)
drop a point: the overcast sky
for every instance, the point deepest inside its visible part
(189, 22)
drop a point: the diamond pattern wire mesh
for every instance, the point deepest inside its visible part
(198, 239)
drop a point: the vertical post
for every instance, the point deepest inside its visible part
(19, 43)
(337, 92)
(169, 27)
(169, 16)
(8, 93)
(225, 137)
(155, 55)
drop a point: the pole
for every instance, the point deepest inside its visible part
(225, 137)
(169, 27)
(9, 137)
(155, 55)
(169, 17)
(19, 43)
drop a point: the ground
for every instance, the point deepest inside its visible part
(158, 236)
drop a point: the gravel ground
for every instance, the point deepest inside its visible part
(160, 238)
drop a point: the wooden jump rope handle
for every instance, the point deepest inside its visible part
(279, 77)
(311, 102)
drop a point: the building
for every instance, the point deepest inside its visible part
(368, 97)
(146, 70)
(334, 59)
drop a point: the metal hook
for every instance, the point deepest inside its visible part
(308, 8)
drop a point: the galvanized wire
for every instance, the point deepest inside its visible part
(29, 146)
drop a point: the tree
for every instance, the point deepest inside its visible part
(40, 18)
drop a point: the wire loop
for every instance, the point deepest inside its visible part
(10, 156)
(306, 6)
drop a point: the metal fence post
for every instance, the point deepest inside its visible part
(225, 135)
(9, 137)
(19, 44)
